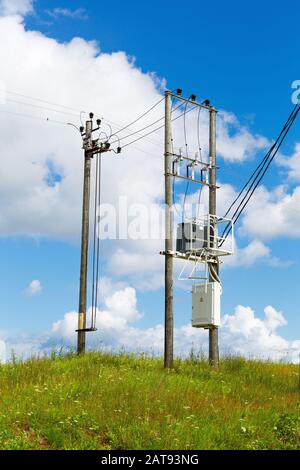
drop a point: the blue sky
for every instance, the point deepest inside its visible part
(244, 57)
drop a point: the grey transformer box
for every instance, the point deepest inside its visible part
(191, 237)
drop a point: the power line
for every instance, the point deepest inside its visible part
(261, 171)
(158, 128)
(261, 164)
(150, 125)
(142, 115)
(42, 101)
(41, 107)
(97, 246)
(28, 116)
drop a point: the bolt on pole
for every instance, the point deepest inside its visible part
(169, 322)
(213, 331)
(84, 241)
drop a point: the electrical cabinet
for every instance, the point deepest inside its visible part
(206, 305)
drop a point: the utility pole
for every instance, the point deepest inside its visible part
(91, 148)
(213, 267)
(169, 322)
(85, 237)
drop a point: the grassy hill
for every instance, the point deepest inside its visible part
(103, 401)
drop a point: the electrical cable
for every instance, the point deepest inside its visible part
(187, 155)
(98, 242)
(94, 240)
(261, 163)
(141, 116)
(157, 128)
(28, 116)
(41, 107)
(263, 167)
(150, 125)
(198, 134)
(200, 155)
(40, 100)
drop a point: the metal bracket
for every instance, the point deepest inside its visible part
(87, 330)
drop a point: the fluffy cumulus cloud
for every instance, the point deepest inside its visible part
(273, 214)
(42, 198)
(257, 337)
(34, 288)
(242, 332)
(16, 7)
(236, 142)
(292, 163)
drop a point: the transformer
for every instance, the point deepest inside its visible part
(206, 305)
(191, 237)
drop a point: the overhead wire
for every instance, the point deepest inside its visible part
(141, 116)
(200, 157)
(261, 164)
(145, 127)
(94, 240)
(98, 241)
(173, 152)
(41, 107)
(259, 173)
(157, 128)
(38, 118)
(187, 154)
(42, 101)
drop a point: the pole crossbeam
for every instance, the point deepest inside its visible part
(192, 102)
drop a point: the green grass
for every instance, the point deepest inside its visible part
(104, 401)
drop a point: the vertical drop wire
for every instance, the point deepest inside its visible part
(94, 238)
(98, 245)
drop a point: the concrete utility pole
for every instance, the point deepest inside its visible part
(213, 267)
(85, 238)
(169, 327)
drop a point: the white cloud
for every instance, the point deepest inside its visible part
(42, 199)
(235, 142)
(292, 163)
(240, 333)
(273, 214)
(16, 7)
(250, 335)
(34, 288)
(249, 255)
(78, 14)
